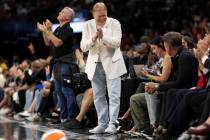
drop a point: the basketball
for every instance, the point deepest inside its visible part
(54, 134)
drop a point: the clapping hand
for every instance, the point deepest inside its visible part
(203, 46)
(41, 27)
(48, 24)
(100, 32)
(97, 34)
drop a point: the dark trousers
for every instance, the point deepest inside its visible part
(173, 98)
(188, 109)
(206, 109)
(66, 94)
(47, 103)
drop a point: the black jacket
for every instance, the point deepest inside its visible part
(184, 71)
(207, 63)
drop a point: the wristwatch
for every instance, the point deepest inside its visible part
(156, 85)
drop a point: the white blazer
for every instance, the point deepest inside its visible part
(107, 48)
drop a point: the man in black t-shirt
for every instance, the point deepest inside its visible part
(61, 43)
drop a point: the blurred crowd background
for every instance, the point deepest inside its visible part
(141, 20)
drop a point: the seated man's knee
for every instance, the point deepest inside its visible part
(136, 98)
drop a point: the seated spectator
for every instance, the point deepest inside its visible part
(165, 67)
(33, 94)
(182, 75)
(140, 54)
(189, 102)
(44, 105)
(12, 81)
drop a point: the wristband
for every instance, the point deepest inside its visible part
(149, 77)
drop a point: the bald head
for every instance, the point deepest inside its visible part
(99, 6)
(100, 13)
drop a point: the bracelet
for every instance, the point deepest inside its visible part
(149, 77)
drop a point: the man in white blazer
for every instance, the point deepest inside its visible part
(101, 36)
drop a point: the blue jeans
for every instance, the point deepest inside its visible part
(66, 95)
(29, 98)
(107, 114)
(38, 99)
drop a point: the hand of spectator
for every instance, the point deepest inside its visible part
(46, 84)
(31, 48)
(45, 92)
(95, 36)
(150, 87)
(46, 89)
(17, 88)
(100, 32)
(144, 72)
(130, 54)
(48, 24)
(41, 27)
(203, 46)
(9, 91)
(198, 54)
(49, 58)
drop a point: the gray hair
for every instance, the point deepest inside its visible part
(174, 38)
(71, 12)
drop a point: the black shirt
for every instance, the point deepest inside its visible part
(65, 33)
(184, 72)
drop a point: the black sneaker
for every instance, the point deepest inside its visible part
(72, 124)
(56, 122)
(125, 123)
(85, 122)
(164, 137)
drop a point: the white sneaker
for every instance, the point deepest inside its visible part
(2, 110)
(18, 118)
(5, 111)
(34, 118)
(97, 130)
(24, 114)
(111, 129)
